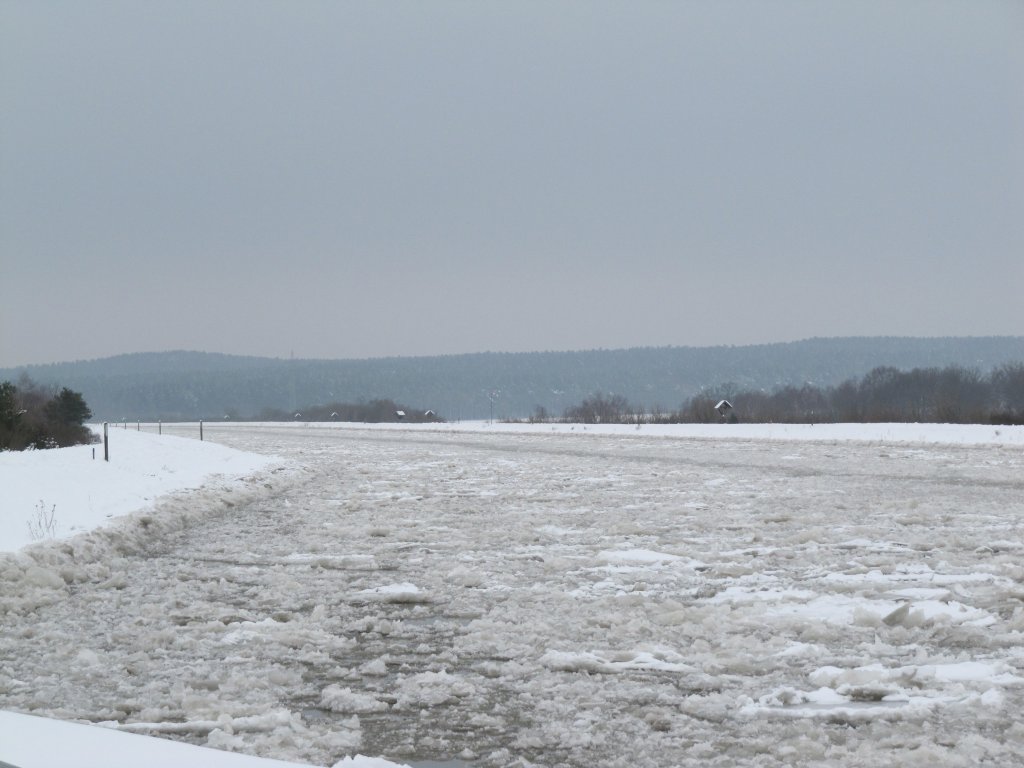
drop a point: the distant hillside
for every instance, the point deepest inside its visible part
(192, 385)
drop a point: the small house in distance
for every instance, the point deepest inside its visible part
(400, 415)
(724, 409)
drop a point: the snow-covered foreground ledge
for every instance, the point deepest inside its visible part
(38, 742)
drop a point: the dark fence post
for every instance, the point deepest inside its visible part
(200, 429)
(160, 427)
(138, 426)
(106, 444)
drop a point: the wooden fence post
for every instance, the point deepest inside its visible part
(106, 445)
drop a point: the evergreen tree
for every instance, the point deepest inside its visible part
(68, 408)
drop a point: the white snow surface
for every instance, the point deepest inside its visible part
(84, 492)
(27, 741)
(517, 595)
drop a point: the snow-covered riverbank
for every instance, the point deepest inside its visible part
(78, 491)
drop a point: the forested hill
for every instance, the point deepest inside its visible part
(193, 385)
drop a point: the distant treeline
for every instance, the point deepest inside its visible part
(185, 386)
(32, 417)
(953, 395)
(373, 412)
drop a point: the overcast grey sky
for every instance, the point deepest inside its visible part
(364, 179)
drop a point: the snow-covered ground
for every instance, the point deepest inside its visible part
(515, 595)
(81, 491)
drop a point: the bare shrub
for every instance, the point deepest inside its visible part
(43, 523)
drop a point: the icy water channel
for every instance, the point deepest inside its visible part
(563, 600)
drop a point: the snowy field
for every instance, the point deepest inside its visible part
(508, 595)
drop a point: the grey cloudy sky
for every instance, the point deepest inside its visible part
(344, 179)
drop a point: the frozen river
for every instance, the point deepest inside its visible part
(563, 600)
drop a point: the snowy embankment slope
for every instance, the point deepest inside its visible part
(70, 501)
(80, 491)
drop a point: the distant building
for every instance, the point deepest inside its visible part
(724, 408)
(400, 415)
